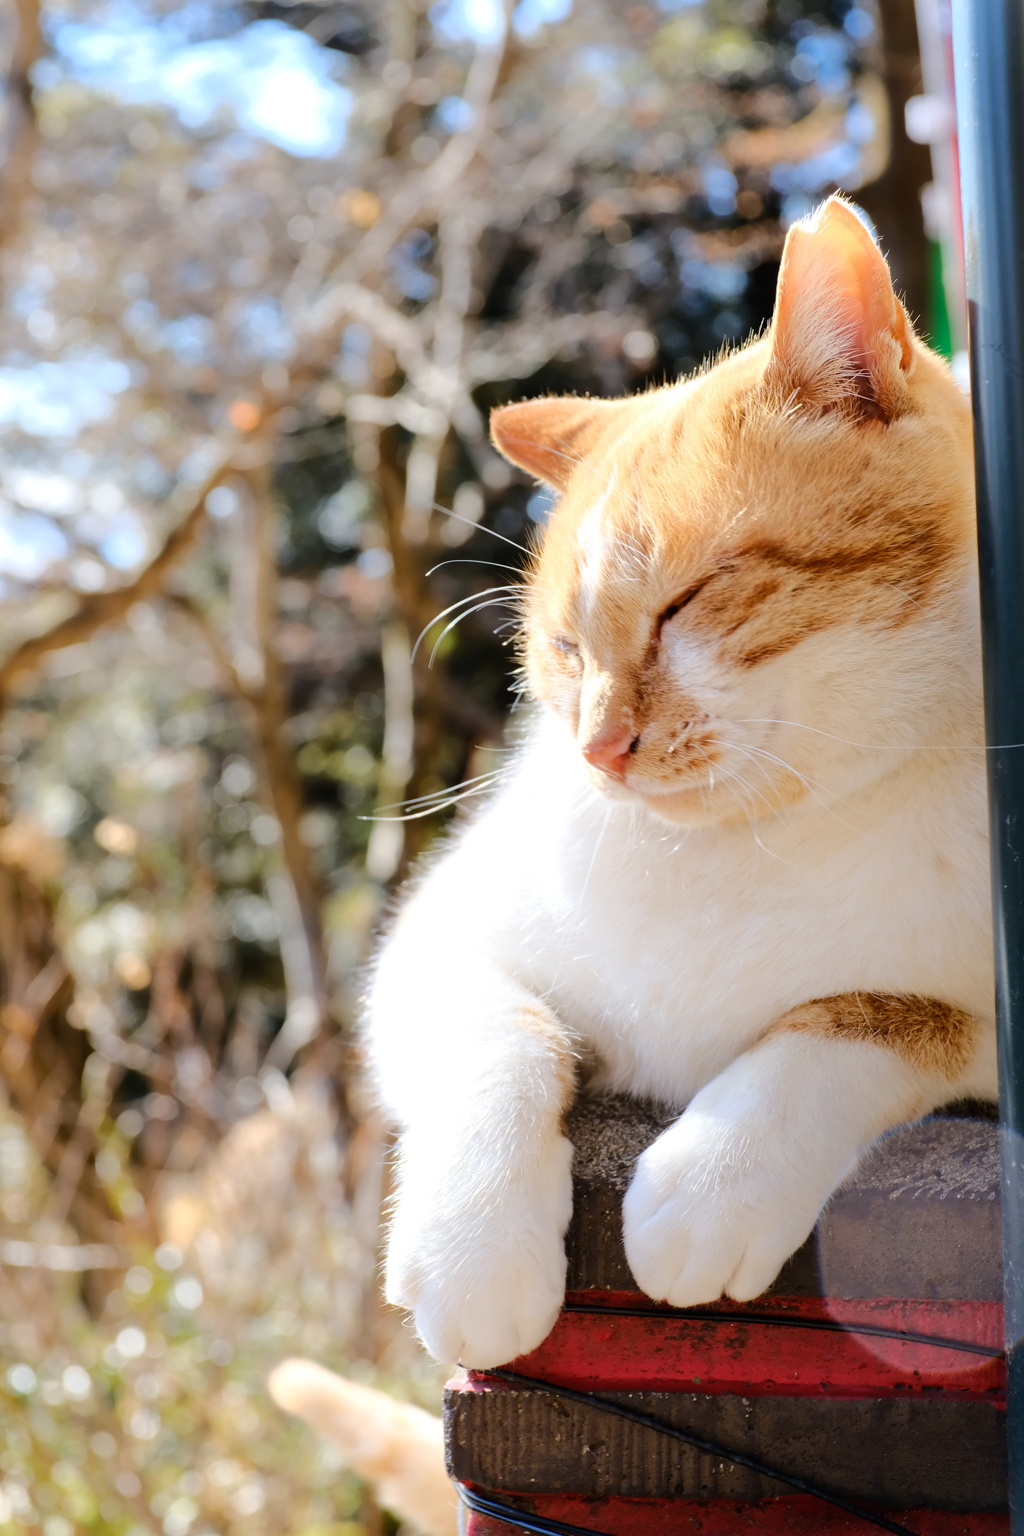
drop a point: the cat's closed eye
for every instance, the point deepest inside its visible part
(567, 648)
(680, 602)
(724, 568)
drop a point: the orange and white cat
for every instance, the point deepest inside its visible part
(740, 865)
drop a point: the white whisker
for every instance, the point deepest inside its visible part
(444, 801)
(480, 780)
(752, 789)
(803, 777)
(811, 785)
(496, 565)
(481, 527)
(876, 746)
(597, 849)
(492, 602)
(462, 602)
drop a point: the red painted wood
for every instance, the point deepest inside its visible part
(664, 1353)
(791, 1516)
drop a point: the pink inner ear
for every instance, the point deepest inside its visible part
(836, 309)
(549, 437)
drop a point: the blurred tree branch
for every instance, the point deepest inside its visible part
(101, 608)
(299, 897)
(261, 685)
(423, 193)
(21, 126)
(44, 1059)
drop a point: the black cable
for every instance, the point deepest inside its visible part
(826, 1325)
(709, 1447)
(483, 1504)
(542, 1526)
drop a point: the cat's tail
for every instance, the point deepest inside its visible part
(397, 1448)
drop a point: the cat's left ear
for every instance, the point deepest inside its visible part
(839, 336)
(550, 437)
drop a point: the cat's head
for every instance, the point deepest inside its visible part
(752, 569)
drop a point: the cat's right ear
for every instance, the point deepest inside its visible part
(839, 336)
(549, 438)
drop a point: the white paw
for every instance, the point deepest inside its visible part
(480, 1261)
(717, 1206)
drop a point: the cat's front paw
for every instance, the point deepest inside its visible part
(480, 1261)
(715, 1209)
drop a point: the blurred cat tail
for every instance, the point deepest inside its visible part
(397, 1448)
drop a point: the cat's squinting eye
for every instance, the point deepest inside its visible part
(567, 647)
(681, 601)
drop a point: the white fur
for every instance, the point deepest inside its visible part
(664, 952)
(593, 548)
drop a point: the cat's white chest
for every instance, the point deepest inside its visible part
(669, 951)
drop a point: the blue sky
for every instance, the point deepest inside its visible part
(57, 399)
(279, 83)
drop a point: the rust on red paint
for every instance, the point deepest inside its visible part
(788, 1516)
(711, 1354)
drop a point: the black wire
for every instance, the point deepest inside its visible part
(509, 1515)
(827, 1325)
(709, 1447)
(542, 1526)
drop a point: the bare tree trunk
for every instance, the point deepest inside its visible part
(418, 690)
(894, 200)
(387, 839)
(253, 669)
(21, 130)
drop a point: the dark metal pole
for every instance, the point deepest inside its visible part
(988, 51)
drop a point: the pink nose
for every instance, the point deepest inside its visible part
(610, 754)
